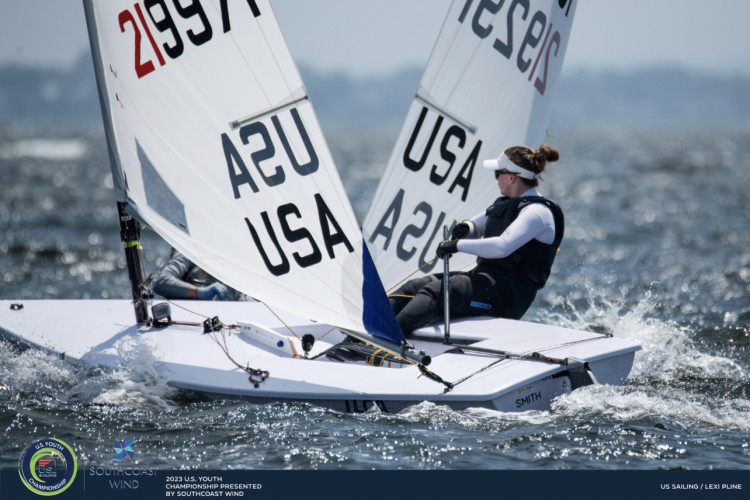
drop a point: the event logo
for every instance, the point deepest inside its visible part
(124, 449)
(48, 467)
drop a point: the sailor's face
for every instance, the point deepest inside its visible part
(504, 181)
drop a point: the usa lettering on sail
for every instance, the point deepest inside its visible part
(451, 153)
(297, 240)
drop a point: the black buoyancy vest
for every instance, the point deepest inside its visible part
(534, 259)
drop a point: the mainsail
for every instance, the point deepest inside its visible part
(215, 145)
(488, 85)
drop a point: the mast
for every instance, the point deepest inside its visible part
(130, 233)
(129, 227)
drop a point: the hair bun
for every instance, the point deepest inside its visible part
(546, 153)
(533, 160)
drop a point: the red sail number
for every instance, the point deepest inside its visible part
(141, 68)
(541, 84)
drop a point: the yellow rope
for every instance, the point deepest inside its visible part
(371, 360)
(394, 354)
(289, 328)
(479, 234)
(326, 333)
(382, 360)
(412, 274)
(282, 321)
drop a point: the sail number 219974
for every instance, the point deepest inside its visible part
(163, 20)
(537, 30)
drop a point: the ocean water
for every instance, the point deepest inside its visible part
(657, 250)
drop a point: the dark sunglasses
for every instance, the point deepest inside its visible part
(498, 173)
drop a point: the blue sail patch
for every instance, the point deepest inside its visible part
(377, 316)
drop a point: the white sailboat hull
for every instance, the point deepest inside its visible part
(104, 333)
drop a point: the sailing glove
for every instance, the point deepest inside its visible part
(447, 248)
(217, 291)
(460, 230)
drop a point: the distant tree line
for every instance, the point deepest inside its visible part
(646, 97)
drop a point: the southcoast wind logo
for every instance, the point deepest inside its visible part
(125, 475)
(124, 450)
(48, 466)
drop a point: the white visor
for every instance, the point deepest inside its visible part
(503, 161)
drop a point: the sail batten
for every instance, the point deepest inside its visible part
(429, 102)
(284, 105)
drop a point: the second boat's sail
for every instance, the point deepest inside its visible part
(488, 85)
(215, 145)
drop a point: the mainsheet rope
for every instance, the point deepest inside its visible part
(258, 376)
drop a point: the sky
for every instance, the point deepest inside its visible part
(375, 37)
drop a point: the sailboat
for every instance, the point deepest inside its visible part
(214, 144)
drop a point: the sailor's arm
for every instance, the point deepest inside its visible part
(532, 222)
(475, 227)
(168, 282)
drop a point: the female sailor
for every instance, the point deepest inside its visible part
(515, 240)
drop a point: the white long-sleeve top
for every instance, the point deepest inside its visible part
(534, 221)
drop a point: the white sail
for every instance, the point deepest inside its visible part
(488, 85)
(215, 145)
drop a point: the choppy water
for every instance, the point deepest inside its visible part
(657, 250)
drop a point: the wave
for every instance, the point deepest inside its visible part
(33, 374)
